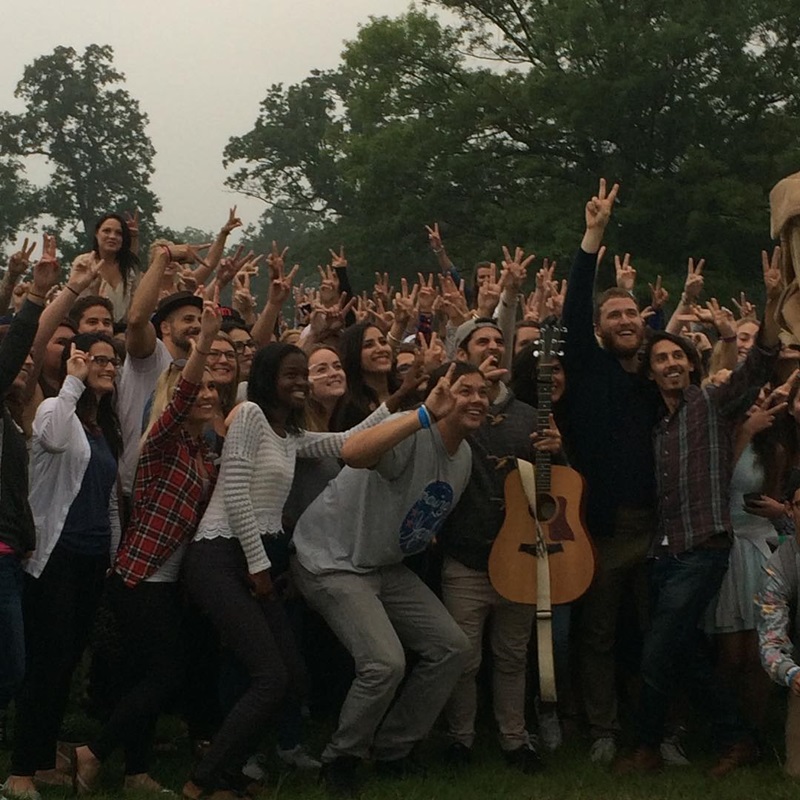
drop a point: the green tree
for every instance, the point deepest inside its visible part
(18, 199)
(92, 133)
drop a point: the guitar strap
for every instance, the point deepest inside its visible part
(544, 610)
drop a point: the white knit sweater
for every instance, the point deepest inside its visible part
(256, 473)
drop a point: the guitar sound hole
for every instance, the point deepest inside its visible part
(546, 507)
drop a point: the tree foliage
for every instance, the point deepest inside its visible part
(92, 133)
(498, 127)
(18, 200)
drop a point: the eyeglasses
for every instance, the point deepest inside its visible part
(104, 361)
(239, 347)
(217, 355)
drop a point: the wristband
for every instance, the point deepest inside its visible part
(790, 675)
(169, 252)
(729, 339)
(425, 420)
(436, 252)
(77, 294)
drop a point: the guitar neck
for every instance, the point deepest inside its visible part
(544, 390)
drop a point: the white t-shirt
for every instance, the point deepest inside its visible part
(137, 381)
(366, 519)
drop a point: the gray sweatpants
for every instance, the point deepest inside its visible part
(374, 615)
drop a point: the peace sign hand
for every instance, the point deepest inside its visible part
(626, 274)
(132, 221)
(773, 280)
(427, 294)
(233, 222)
(598, 209)
(20, 260)
(434, 237)
(338, 259)
(659, 295)
(694, 280)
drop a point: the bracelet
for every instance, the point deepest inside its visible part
(77, 294)
(169, 252)
(392, 338)
(36, 294)
(436, 252)
(729, 339)
(424, 417)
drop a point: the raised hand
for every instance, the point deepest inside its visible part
(432, 352)
(132, 221)
(694, 280)
(548, 440)
(626, 274)
(427, 294)
(454, 299)
(598, 209)
(434, 238)
(515, 269)
(381, 316)
(489, 294)
(276, 259)
(77, 363)
(47, 270)
(85, 270)
(722, 319)
(745, 308)
(329, 286)
(658, 294)
(280, 287)
(232, 223)
(556, 295)
(338, 259)
(243, 300)
(405, 304)
(20, 261)
(534, 302)
(773, 280)
(382, 290)
(442, 398)
(210, 319)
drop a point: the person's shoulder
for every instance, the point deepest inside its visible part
(245, 413)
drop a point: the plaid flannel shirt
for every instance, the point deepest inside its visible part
(694, 455)
(169, 496)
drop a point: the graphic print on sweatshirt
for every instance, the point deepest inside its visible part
(425, 517)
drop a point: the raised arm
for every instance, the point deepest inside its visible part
(280, 289)
(17, 265)
(578, 315)
(212, 259)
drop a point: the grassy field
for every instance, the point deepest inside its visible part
(568, 776)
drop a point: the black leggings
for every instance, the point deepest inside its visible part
(259, 634)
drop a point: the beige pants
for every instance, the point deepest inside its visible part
(471, 599)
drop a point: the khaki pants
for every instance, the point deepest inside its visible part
(471, 599)
(620, 572)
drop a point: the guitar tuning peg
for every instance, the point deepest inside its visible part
(536, 354)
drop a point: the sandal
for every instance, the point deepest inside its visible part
(83, 782)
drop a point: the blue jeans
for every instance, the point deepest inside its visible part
(12, 631)
(675, 653)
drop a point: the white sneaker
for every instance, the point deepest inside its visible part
(673, 753)
(256, 768)
(550, 730)
(603, 750)
(298, 757)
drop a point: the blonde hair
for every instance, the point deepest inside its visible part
(227, 394)
(165, 388)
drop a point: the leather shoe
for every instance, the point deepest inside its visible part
(643, 761)
(741, 754)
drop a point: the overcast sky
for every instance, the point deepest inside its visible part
(198, 69)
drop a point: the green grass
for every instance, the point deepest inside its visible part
(569, 776)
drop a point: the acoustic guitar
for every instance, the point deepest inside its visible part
(547, 520)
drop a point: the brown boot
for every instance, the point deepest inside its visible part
(741, 754)
(643, 761)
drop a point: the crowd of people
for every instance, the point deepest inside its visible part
(234, 514)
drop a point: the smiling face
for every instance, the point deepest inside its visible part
(96, 319)
(376, 355)
(245, 350)
(670, 367)
(485, 342)
(620, 326)
(472, 401)
(745, 339)
(221, 361)
(291, 386)
(102, 365)
(326, 376)
(109, 236)
(181, 327)
(206, 403)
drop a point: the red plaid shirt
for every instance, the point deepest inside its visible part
(169, 496)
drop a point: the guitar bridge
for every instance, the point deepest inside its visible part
(533, 550)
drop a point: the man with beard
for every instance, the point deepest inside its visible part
(694, 464)
(611, 412)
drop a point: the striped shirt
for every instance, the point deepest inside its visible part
(256, 473)
(694, 455)
(169, 491)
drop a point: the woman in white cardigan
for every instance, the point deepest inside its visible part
(74, 450)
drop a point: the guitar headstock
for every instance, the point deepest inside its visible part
(550, 343)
